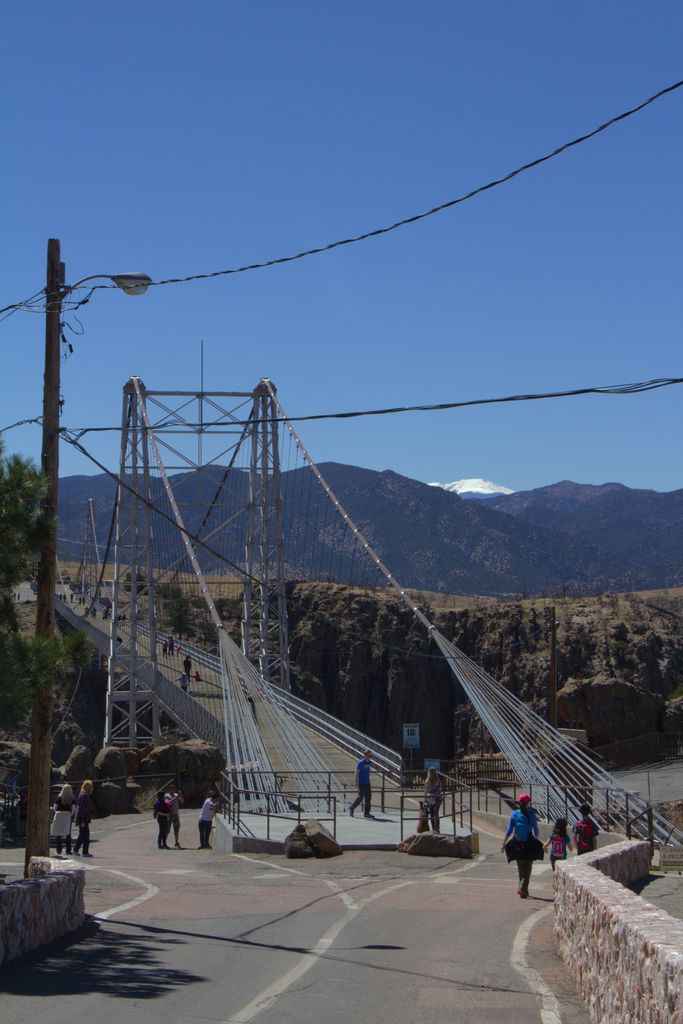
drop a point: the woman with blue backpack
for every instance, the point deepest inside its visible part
(521, 842)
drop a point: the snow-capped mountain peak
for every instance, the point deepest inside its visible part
(474, 487)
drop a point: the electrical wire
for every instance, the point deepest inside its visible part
(617, 389)
(376, 232)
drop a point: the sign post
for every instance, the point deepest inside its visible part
(411, 738)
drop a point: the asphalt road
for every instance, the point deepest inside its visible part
(184, 935)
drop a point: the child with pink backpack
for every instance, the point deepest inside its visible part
(559, 842)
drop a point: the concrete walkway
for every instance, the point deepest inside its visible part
(382, 831)
(196, 936)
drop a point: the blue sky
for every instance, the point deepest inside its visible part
(177, 139)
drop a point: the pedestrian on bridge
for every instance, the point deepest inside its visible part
(171, 646)
(187, 664)
(363, 783)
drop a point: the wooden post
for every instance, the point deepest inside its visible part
(38, 823)
(552, 675)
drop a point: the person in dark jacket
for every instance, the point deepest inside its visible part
(83, 818)
(162, 812)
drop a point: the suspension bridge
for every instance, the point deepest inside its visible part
(217, 507)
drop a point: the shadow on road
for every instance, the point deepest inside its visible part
(94, 959)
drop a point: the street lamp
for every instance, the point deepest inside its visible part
(38, 823)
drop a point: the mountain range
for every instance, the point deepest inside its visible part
(568, 537)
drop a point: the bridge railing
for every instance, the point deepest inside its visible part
(614, 809)
(236, 800)
(321, 722)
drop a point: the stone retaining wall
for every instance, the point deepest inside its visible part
(41, 908)
(625, 956)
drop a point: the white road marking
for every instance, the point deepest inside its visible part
(271, 874)
(265, 864)
(265, 999)
(271, 993)
(177, 871)
(550, 1008)
(150, 890)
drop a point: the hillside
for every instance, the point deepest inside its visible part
(566, 538)
(364, 657)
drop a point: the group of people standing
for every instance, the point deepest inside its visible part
(167, 814)
(521, 842)
(68, 811)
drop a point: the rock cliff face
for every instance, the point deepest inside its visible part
(364, 658)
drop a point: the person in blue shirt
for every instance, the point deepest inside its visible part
(522, 825)
(363, 783)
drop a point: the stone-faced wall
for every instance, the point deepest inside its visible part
(41, 908)
(625, 956)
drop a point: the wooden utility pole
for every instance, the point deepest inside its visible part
(552, 681)
(38, 824)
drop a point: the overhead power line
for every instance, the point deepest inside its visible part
(33, 306)
(615, 389)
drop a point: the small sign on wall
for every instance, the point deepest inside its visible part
(411, 735)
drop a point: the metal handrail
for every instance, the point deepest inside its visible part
(322, 722)
(232, 805)
(460, 811)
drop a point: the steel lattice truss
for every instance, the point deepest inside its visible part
(257, 725)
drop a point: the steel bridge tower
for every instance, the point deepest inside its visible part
(148, 419)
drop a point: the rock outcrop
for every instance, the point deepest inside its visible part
(196, 764)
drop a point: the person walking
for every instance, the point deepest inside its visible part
(559, 842)
(171, 646)
(205, 820)
(174, 800)
(363, 783)
(83, 818)
(518, 842)
(586, 831)
(433, 795)
(63, 816)
(162, 813)
(187, 664)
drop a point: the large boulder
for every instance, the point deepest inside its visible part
(133, 759)
(196, 765)
(433, 844)
(322, 841)
(111, 764)
(65, 738)
(298, 845)
(610, 709)
(79, 766)
(113, 798)
(673, 716)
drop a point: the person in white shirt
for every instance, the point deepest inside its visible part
(205, 821)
